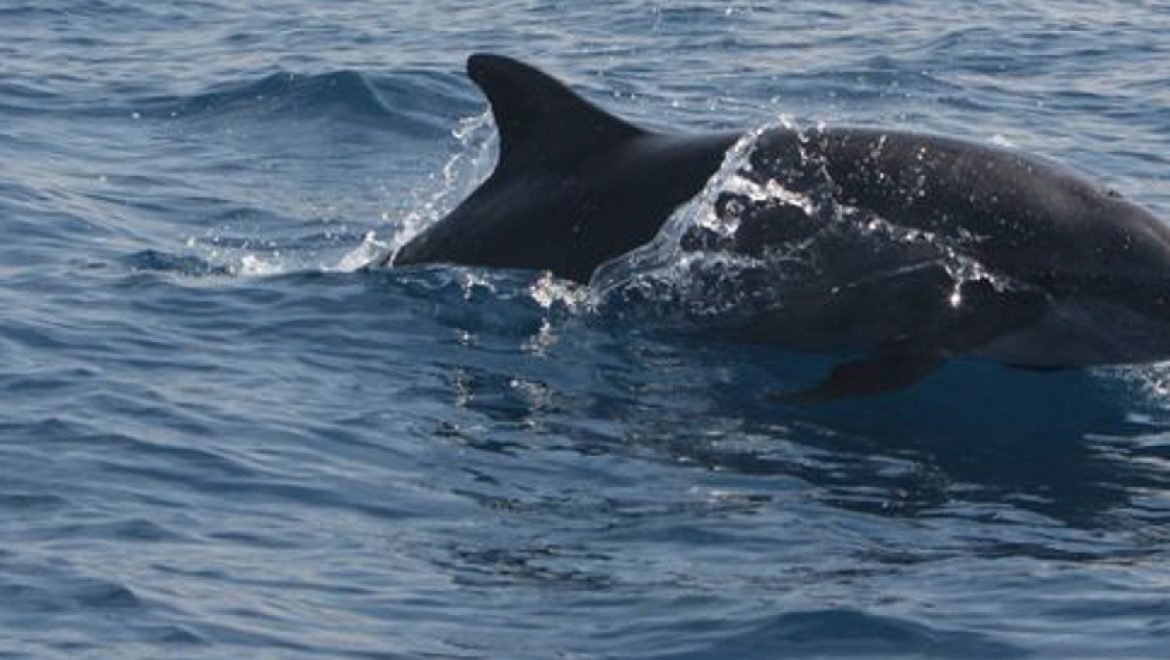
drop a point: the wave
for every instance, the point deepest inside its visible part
(162, 262)
(410, 102)
(407, 102)
(849, 632)
(286, 94)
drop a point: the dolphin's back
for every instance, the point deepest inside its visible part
(574, 186)
(1024, 215)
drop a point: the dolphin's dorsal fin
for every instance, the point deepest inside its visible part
(538, 116)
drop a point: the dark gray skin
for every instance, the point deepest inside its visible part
(1034, 220)
(576, 187)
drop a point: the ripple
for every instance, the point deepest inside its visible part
(214, 443)
(164, 262)
(403, 103)
(848, 633)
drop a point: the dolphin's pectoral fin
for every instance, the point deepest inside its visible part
(885, 372)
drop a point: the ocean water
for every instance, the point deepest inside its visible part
(219, 435)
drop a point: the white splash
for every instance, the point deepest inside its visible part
(548, 292)
(470, 165)
(706, 281)
(251, 265)
(370, 249)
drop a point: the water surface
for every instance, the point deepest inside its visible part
(220, 437)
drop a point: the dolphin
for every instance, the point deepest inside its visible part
(1079, 275)
(574, 186)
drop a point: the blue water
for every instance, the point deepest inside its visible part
(220, 437)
